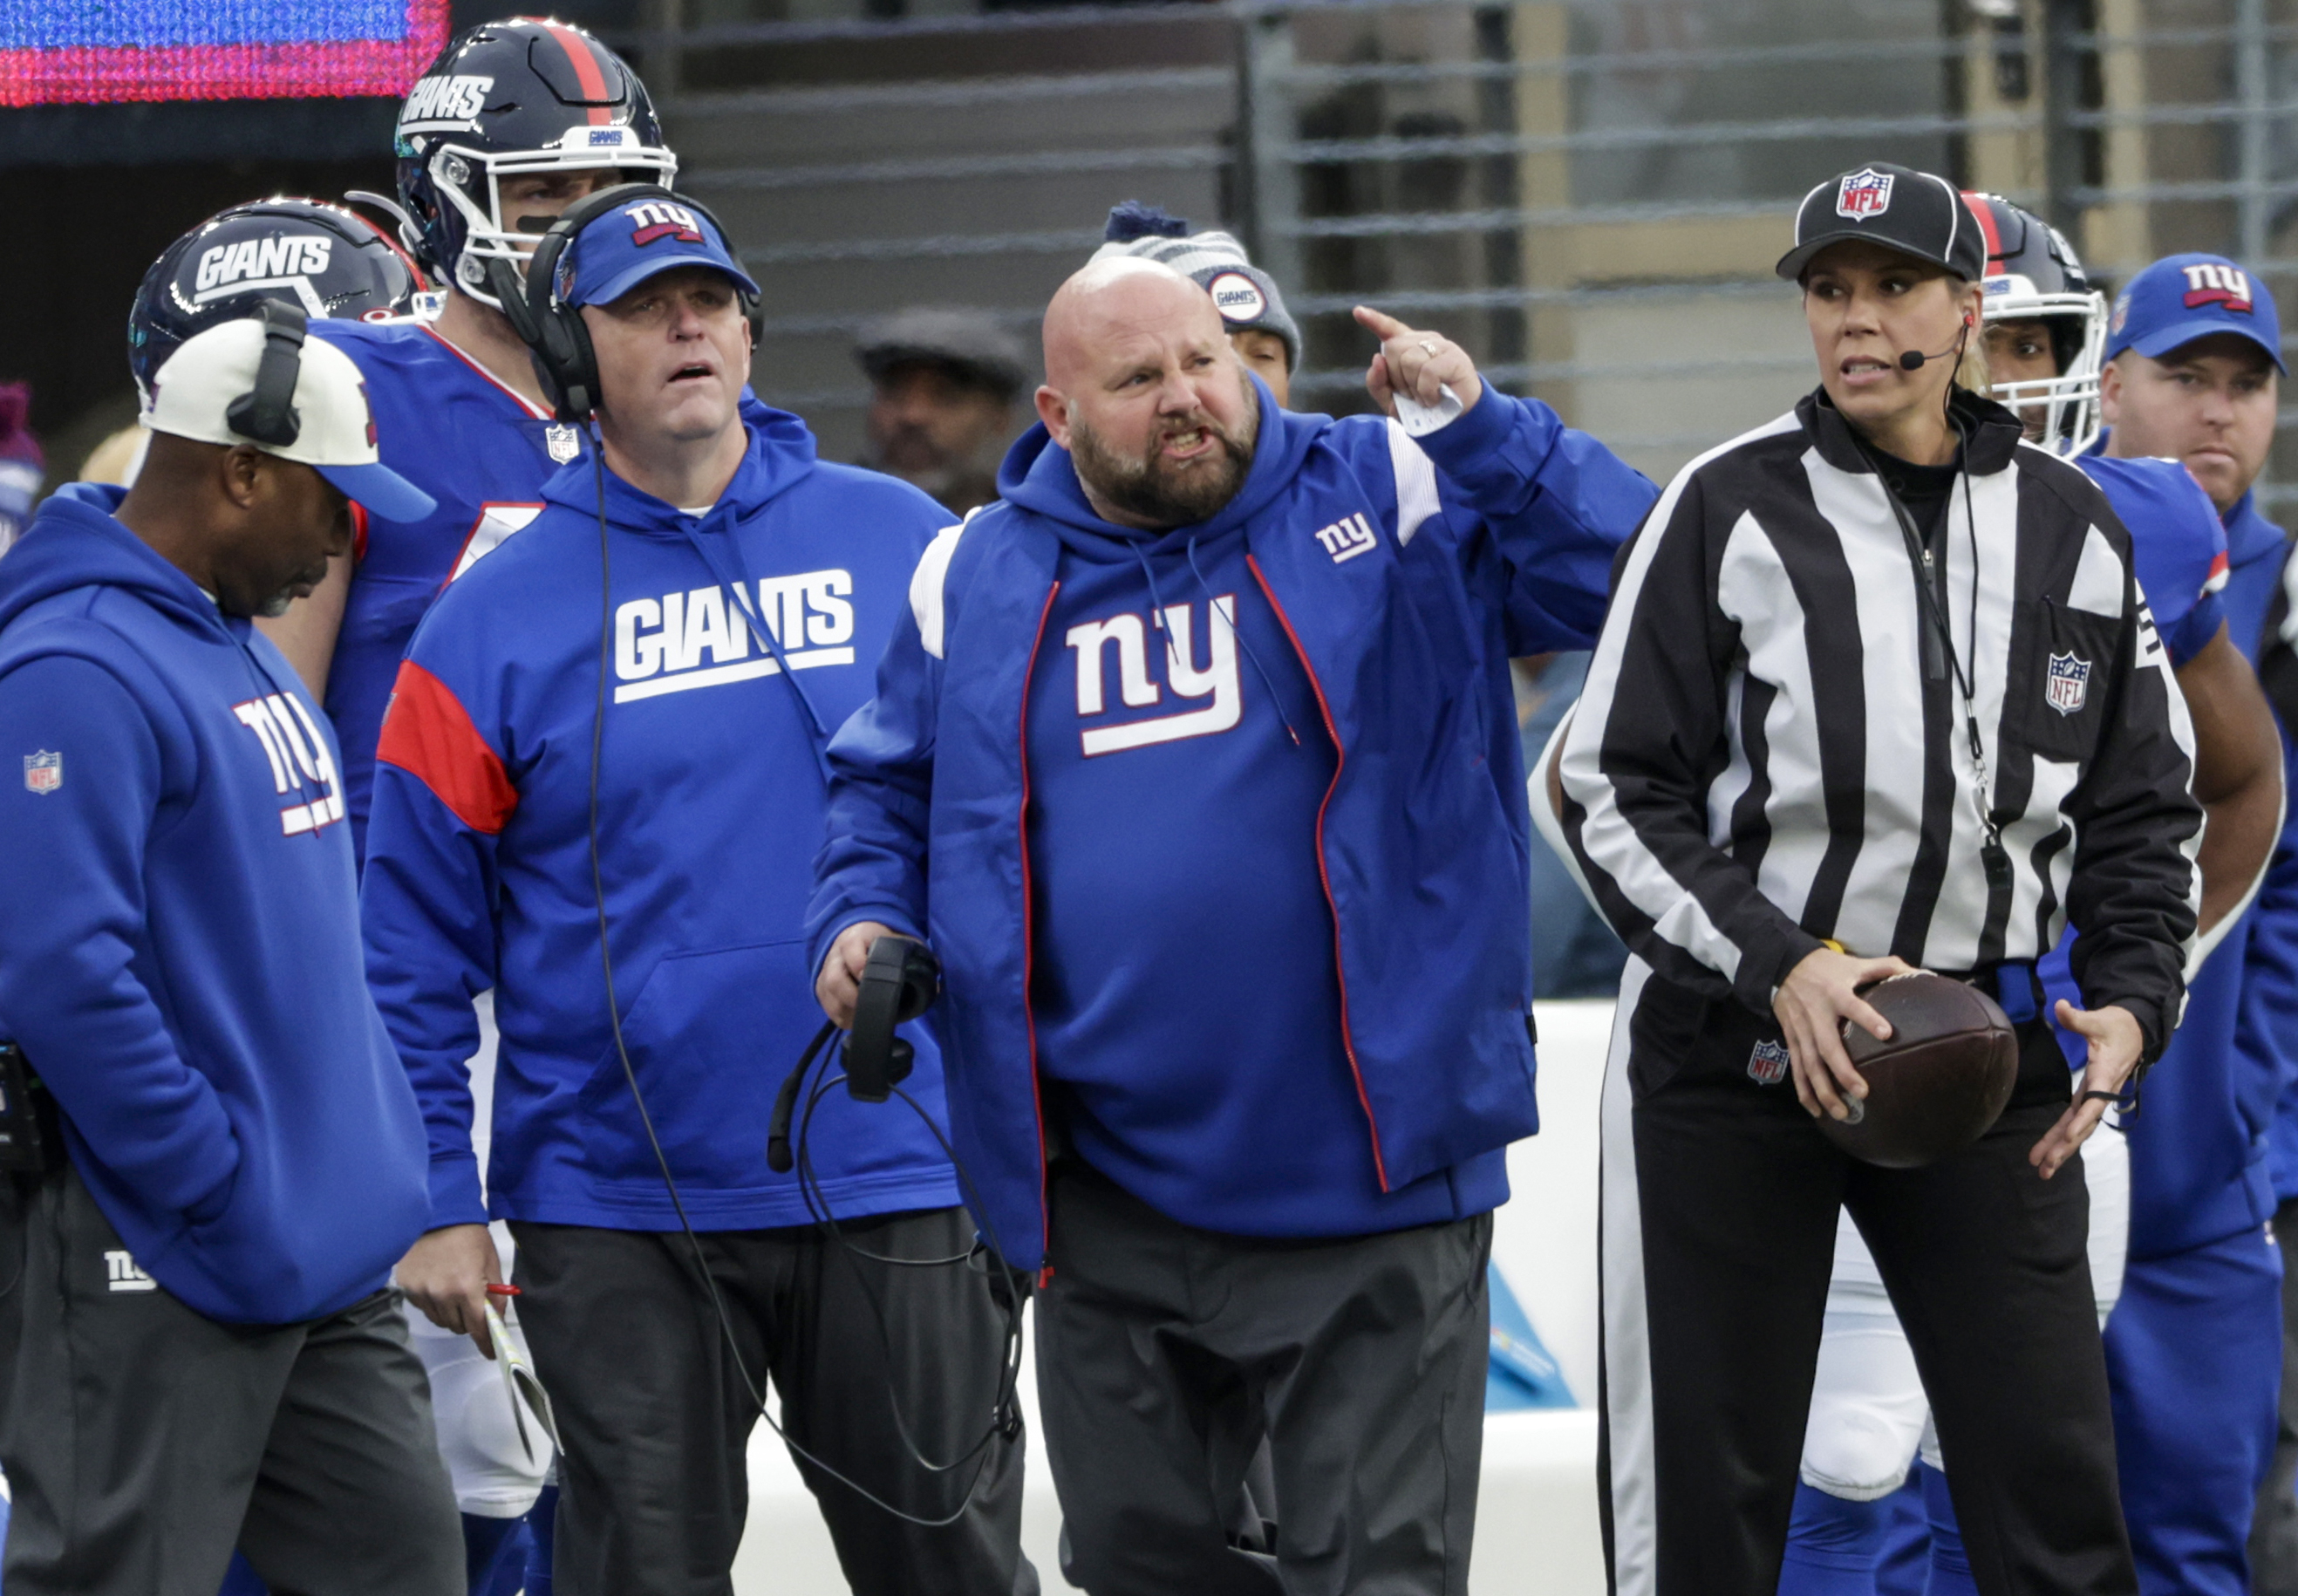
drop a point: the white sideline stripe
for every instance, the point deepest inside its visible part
(1416, 482)
(719, 675)
(1627, 1336)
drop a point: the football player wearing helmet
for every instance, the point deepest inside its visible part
(513, 123)
(2046, 330)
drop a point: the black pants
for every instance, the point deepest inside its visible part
(1165, 1355)
(2274, 1528)
(656, 1418)
(143, 1441)
(1719, 1203)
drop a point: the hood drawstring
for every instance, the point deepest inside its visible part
(1213, 615)
(715, 558)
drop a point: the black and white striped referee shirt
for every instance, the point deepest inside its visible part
(1760, 760)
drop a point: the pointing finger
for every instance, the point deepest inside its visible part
(1380, 323)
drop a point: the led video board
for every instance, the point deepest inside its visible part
(69, 52)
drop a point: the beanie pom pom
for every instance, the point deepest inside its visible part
(1132, 218)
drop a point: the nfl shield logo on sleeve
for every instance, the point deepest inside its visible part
(1864, 194)
(1767, 1065)
(563, 442)
(43, 772)
(2067, 684)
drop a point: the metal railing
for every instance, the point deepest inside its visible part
(1591, 213)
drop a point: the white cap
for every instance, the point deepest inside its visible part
(193, 394)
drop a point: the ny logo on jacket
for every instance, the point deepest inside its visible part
(1216, 681)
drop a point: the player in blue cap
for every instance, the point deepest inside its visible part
(2193, 367)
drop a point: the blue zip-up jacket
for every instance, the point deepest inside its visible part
(710, 812)
(1404, 576)
(181, 962)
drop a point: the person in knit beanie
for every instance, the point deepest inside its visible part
(20, 462)
(1263, 332)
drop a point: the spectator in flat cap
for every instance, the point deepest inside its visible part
(1260, 329)
(942, 387)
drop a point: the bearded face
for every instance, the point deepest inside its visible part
(1190, 467)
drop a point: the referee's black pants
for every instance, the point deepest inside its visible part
(1720, 1197)
(875, 1363)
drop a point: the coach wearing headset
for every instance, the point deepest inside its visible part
(1877, 692)
(643, 767)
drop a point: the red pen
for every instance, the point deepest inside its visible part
(504, 1291)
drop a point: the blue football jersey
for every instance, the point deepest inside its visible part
(2178, 546)
(482, 452)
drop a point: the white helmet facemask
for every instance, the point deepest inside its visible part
(458, 170)
(2068, 404)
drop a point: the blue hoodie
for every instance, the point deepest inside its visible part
(181, 962)
(1400, 577)
(710, 810)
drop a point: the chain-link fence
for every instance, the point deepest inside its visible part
(1588, 194)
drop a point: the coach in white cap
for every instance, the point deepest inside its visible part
(212, 1156)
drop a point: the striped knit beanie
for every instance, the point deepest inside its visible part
(1246, 296)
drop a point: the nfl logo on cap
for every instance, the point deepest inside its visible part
(2068, 683)
(43, 771)
(1864, 194)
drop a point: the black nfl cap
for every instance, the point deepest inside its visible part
(1915, 213)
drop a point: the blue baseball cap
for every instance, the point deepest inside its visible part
(619, 248)
(2181, 298)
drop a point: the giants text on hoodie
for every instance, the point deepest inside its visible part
(710, 801)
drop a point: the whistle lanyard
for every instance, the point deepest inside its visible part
(1993, 856)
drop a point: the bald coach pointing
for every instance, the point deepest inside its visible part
(1195, 761)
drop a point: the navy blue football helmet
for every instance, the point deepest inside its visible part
(529, 95)
(328, 259)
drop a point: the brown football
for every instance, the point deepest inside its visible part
(1940, 1081)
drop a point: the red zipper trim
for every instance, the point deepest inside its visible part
(1028, 938)
(516, 397)
(1340, 763)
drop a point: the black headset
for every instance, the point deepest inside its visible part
(556, 338)
(900, 980)
(266, 412)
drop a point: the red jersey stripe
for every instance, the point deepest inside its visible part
(427, 733)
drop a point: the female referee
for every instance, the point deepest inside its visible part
(1877, 692)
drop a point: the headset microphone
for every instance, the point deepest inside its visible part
(1915, 359)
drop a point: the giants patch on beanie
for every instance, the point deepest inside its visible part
(1246, 296)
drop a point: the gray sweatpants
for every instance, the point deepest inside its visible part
(1167, 1356)
(881, 1368)
(143, 1441)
